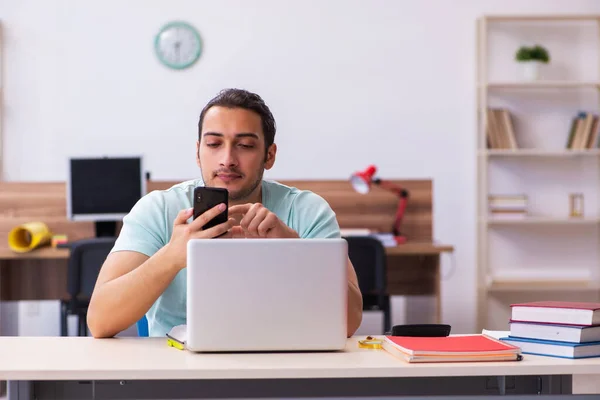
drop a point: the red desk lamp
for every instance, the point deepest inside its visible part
(361, 181)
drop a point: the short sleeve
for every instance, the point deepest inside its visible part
(314, 217)
(143, 228)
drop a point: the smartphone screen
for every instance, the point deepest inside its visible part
(206, 198)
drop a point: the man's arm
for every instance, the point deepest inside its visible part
(129, 282)
(127, 286)
(355, 301)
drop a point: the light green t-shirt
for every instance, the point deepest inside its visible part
(149, 225)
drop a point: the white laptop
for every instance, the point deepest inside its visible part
(266, 295)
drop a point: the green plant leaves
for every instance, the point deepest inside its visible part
(533, 53)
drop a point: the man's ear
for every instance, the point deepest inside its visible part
(198, 154)
(270, 159)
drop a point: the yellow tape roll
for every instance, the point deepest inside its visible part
(29, 236)
(370, 343)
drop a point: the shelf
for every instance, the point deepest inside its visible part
(542, 285)
(542, 221)
(539, 153)
(544, 85)
(542, 17)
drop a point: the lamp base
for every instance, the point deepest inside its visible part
(400, 239)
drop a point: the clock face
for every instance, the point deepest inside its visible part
(178, 45)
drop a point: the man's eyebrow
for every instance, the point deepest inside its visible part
(241, 135)
(237, 135)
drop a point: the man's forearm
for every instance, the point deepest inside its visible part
(119, 303)
(355, 306)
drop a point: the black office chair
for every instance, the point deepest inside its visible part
(367, 255)
(85, 260)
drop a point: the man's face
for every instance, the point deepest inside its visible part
(231, 151)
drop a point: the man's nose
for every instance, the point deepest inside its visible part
(229, 158)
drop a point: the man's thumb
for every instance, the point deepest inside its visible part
(183, 216)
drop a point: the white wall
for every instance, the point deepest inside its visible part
(350, 82)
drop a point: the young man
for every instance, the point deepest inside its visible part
(145, 272)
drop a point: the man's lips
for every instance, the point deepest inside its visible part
(228, 177)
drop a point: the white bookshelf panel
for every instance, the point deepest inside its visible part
(536, 253)
(542, 119)
(571, 44)
(547, 182)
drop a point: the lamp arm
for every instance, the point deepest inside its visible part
(392, 187)
(402, 194)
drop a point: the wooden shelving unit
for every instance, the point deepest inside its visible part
(539, 153)
(541, 221)
(542, 85)
(542, 286)
(519, 242)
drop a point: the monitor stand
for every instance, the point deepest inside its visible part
(106, 228)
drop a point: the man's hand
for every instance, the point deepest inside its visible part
(258, 222)
(183, 232)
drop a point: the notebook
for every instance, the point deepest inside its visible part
(458, 348)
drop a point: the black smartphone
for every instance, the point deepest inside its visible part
(421, 330)
(206, 198)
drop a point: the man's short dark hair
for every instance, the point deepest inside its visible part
(239, 98)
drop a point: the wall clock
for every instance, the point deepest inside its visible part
(178, 45)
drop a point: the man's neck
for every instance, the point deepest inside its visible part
(254, 197)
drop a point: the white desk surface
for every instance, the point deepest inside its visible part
(86, 358)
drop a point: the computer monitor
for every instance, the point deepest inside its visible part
(104, 190)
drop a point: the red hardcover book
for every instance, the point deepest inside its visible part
(557, 312)
(451, 348)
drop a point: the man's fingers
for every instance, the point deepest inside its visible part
(250, 214)
(240, 208)
(257, 220)
(236, 232)
(216, 230)
(267, 224)
(183, 216)
(202, 219)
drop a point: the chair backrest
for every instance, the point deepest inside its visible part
(85, 260)
(368, 257)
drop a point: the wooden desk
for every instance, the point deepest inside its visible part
(71, 367)
(413, 268)
(415, 249)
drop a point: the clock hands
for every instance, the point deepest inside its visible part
(177, 47)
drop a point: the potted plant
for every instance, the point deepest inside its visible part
(531, 58)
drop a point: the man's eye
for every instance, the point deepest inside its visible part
(212, 144)
(246, 146)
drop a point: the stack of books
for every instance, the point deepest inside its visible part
(459, 348)
(508, 206)
(500, 132)
(584, 132)
(556, 329)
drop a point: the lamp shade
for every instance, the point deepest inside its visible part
(361, 181)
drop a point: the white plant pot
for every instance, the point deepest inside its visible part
(531, 70)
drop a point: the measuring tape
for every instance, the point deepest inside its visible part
(370, 343)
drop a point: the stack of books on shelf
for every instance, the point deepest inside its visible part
(556, 329)
(584, 132)
(500, 130)
(508, 206)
